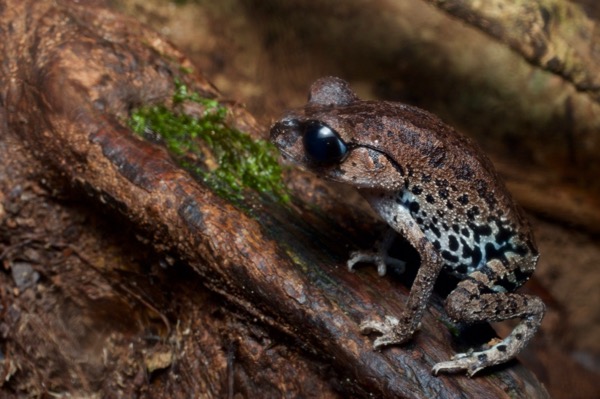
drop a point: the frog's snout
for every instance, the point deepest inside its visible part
(285, 133)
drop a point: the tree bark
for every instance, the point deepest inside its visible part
(556, 35)
(281, 313)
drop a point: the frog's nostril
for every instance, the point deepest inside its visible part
(274, 133)
(289, 123)
(284, 134)
(284, 126)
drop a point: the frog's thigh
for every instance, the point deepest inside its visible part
(472, 301)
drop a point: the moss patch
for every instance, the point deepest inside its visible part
(227, 160)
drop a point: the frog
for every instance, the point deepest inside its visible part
(436, 188)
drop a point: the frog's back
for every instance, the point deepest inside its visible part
(451, 190)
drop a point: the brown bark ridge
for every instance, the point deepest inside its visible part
(556, 35)
(70, 75)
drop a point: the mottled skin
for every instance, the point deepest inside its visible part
(436, 188)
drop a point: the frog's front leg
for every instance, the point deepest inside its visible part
(397, 330)
(379, 257)
(473, 301)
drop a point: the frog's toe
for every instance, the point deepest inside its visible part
(372, 326)
(383, 341)
(382, 261)
(368, 257)
(462, 355)
(357, 257)
(444, 367)
(450, 366)
(389, 330)
(461, 362)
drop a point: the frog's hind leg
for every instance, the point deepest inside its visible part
(474, 301)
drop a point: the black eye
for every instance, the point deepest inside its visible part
(322, 144)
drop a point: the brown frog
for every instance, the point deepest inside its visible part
(436, 188)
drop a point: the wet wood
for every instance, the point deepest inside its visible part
(288, 310)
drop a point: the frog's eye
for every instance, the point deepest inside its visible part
(322, 144)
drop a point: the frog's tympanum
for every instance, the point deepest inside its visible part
(437, 189)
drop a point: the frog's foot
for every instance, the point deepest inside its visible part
(391, 330)
(382, 261)
(471, 304)
(471, 362)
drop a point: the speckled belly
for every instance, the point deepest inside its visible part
(466, 242)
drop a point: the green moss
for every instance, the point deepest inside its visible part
(186, 70)
(239, 162)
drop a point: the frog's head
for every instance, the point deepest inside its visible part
(319, 137)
